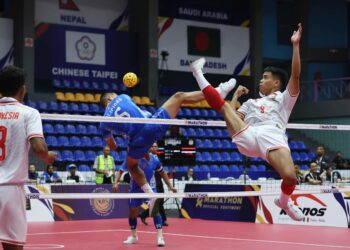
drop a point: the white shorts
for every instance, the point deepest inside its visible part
(258, 141)
(13, 221)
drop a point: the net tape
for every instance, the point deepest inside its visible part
(178, 195)
(179, 122)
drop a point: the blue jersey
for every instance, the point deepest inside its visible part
(122, 106)
(149, 168)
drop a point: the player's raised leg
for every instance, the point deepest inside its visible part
(282, 162)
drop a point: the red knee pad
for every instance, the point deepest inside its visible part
(287, 189)
(213, 97)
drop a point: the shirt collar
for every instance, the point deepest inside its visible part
(7, 100)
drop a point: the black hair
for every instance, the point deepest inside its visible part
(281, 74)
(11, 80)
(104, 99)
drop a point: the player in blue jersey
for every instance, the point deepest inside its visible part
(142, 136)
(149, 164)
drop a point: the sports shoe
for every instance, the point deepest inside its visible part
(225, 87)
(160, 242)
(153, 206)
(130, 240)
(293, 211)
(197, 65)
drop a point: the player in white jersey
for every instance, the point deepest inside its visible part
(20, 129)
(258, 128)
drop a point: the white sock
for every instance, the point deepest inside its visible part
(134, 233)
(147, 188)
(202, 82)
(160, 233)
(284, 198)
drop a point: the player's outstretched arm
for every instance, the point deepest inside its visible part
(39, 148)
(294, 81)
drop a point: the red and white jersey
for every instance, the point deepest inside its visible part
(18, 123)
(273, 109)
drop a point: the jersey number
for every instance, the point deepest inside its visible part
(3, 134)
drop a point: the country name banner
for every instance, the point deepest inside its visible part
(103, 14)
(6, 42)
(75, 53)
(225, 47)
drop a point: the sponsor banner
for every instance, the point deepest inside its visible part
(222, 11)
(319, 210)
(103, 14)
(346, 197)
(38, 210)
(84, 209)
(6, 42)
(225, 47)
(220, 208)
(75, 53)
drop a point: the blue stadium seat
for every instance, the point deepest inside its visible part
(304, 167)
(215, 156)
(95, 86)
(206, 156)
(226, 144)
(165, 168)
(180, 113)
(225, 133)
(200, 133)
(85, 141)
(218, 133)
(85, 85)
(97, 141)
(236, 157)
(67, 155)
(191, 132)
(212, 113)
(74, 141)
(203, 113)
(209, 133)
(196, 168)
(114, 87)
(31, 104)
(59, 129)
(63, 107)
(58, 156)
(195, 113)
(84, 108)
(295, 156)
(225, 157)
(84, 168)
(94, 108)
(79, 155)
(52, 106)
(217, 143)
(214, 168)
(261, 167)
(63, 141)
(199, 143)
(73, 107)
(241, 168)
(115, 155)
(301, 145)
(207, 143)
(234, 168)
(253, 168)
(204, 168)
(90, 155)
(187, 112)
(76, 85)
(311, 155)
(293, 145)
(57, 83)
(66, 84)
(48, 128)
(304, 156)
(199, 157)
(42, 106)
(70, 129)
(224, 168)
(51, 141)
(105, 87)
(92, 130)
(81, 129)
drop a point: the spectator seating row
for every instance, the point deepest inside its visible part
(215, 167)
(86, 156)
(86, 85)
(219, 157)
(83, 142)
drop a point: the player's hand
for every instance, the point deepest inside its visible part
(241, 90)
(51, 157)
(115, 187)
(174, 190)
(295, 39)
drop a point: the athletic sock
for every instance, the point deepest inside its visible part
(202, 82)
(213, 97)
(287, 190)
(158, 223)
(146, 188)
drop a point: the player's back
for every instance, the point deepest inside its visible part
(18, 123)
(123, 106)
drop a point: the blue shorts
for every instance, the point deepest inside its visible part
(141, 143)
(137, 202)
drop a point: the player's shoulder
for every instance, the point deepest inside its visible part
(27, 109)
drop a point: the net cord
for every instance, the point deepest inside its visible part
(179, 122)
(177, 195)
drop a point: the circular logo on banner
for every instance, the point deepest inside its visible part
(85, 48)
(102, 207)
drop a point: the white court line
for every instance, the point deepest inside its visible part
(43, 246)
(200, 236)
